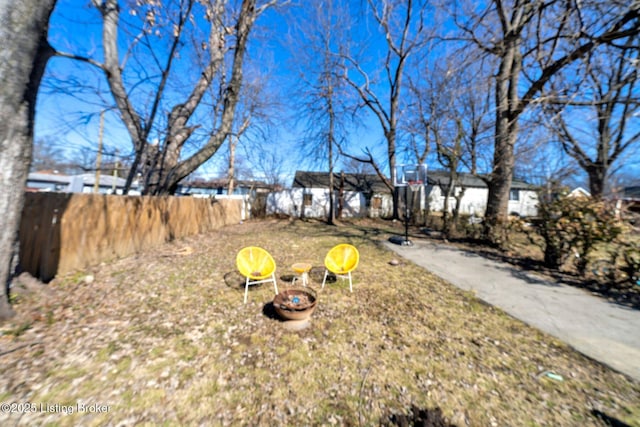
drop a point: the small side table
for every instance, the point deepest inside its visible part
(302, 272)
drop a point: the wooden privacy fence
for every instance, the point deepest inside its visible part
(62, 232)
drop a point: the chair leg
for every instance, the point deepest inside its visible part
(326, 273)
(246, 290)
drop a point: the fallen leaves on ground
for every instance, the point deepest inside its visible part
(164, 336)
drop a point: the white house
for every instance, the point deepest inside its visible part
(216, 187)
(579, 193)
(355, 195)
(631, 197)
(361, 195)
(252, 193)
(83, 183)
(523, 197)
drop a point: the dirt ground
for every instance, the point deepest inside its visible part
(164, 337)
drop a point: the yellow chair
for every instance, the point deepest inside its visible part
(341, 261)
(258, 266)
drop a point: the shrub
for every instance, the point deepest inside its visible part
(573, 226)
(631, 265)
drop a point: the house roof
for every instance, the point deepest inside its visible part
(90, 179)
(360, 182)
(632, 192)
(222, 183)
(468, 180)
(579, 192)
(46, 176)
(74, 182)
(372, 183)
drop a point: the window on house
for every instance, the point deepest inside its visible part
(514, 194)
(307, 199)
(376, 202)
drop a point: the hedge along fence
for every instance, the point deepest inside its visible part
(62, 232)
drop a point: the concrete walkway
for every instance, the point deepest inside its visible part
(604, 331)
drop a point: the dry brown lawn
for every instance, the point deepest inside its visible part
(163, 337)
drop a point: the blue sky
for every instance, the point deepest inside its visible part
(72, 121)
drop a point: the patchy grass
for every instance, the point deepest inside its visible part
(163, 337)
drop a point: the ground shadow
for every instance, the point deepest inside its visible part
(373, 230)
(268, 310)
(349, 229)
(418, 417)
(234, 280)
(527, 277)
(316, 274)
(288, 278)
(607, 420)
(626, 297)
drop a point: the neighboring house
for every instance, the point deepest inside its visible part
(218, 187)
(355, 195)
(47, 181)
(579, 193)
(632, 192)
(365, 195)
(253, 194)
(631, 198)
(523, 197)
(83, 183)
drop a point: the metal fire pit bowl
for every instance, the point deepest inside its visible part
(295, 304)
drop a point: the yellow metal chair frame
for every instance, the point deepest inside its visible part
(341, 260)
(258, 266)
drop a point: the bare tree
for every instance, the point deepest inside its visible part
(609, 97)
(25, 52)
(450, 112)
(319, 45)
(157, 98)
(545, 165)
(47, 155)
(449, 156)
(532, 42)
(267, 164)
(402, 25)
(254, 122)
(354, 166)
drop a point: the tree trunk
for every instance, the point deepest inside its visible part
(597, 177)
(499, 187)
(231, 173)
(446, 217)
(340, 196)
(455, 220)
(331, 216)
(391, 148)
(23, 27)
(506, 132)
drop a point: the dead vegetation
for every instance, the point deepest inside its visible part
(163, 336)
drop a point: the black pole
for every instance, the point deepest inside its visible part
(406, 215)
(398, 240)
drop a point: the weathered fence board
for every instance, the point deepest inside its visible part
(62, 232)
